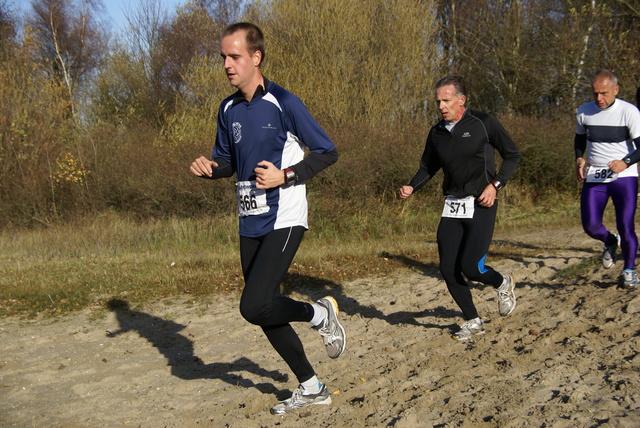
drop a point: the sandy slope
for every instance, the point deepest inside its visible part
(567, 357)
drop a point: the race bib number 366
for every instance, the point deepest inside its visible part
(251, 200)
(600, 174)
(458, 207)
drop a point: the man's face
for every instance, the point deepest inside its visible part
(241, 66)
(450, 105)
(604, 92)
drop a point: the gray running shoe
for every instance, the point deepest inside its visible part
(506, 296)
(474, 327)
(332, 332)
(628, 279)
(300, 399)
(609, 253)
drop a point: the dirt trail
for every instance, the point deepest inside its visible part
(567, 357)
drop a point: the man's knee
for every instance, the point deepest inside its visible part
(472, 273)
(591, 229)
(254, 312)
(447, 271)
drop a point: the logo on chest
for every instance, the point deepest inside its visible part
(466, 134)
(237, 132)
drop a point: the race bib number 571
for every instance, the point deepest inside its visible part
(458, 207)
(251, 200)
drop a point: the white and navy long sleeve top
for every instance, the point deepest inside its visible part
(609, 134)
(274, 126)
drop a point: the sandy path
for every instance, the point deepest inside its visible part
(567, 357)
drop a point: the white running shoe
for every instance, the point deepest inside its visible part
(609, 253)
(506, 296)
(474, 327)
(628, 279)
(332, 332)
(300, 399)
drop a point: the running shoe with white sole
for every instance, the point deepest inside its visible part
(332, 332)
(506, 296)
(300, 399)
(609, 253)
(474, 327)
(628, 279)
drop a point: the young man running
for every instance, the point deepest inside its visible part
(262, 133)
(608, 129)
(462, 144)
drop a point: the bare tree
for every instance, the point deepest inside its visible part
(142, 35)
(633, 6)
(193, 34)
(71, 42)
(493, 44)
(148, 72)
(7, 25)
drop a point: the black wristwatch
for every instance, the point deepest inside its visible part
(497, 184)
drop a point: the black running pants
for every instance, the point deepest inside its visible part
(265, 261)
(463, 245)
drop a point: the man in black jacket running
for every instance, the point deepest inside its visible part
(463, 145)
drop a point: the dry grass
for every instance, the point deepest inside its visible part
(75, 266)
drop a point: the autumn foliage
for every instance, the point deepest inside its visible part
(92, 120)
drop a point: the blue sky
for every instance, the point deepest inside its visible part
(115, 9)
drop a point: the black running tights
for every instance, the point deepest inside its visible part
(265, 261)
(463, 245)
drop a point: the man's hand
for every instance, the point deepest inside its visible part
(268, 176)
(617, 166)
(580, 163)
(488, 196)
(203, 167)
(404, 192)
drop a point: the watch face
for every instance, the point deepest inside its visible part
(290, 177)
(627, 161)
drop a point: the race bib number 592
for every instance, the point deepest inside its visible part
(458, 207)
(251, 200)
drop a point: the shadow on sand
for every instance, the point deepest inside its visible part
(178, 350)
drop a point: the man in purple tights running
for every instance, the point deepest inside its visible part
(608, 129)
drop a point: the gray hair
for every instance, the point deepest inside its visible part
(605, 73)
(456, 81)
